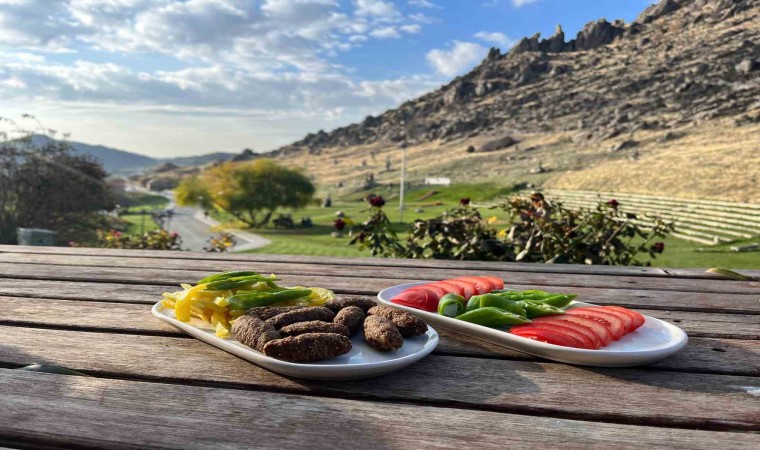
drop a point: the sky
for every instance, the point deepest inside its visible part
(182, 77)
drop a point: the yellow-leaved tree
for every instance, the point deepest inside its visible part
(251, 192)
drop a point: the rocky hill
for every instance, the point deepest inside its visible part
(679, 85)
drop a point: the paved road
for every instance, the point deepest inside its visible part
(195, 230)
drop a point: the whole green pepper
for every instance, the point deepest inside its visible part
(473, 303)
(251, 299)
(559, 300)
(492, 317)
(535, 308)
(225, 275)
(504, 303)
(451, 305)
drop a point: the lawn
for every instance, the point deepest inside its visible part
(317, 240)
(137, 202)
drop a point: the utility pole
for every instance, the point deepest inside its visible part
(403, 182)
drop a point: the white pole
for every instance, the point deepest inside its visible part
(403, 182)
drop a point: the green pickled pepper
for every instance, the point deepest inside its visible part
(492, 317)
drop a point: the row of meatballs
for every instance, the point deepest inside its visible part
(315, 333)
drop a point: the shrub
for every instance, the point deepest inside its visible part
(152, 240)
(220, 243)
(376, 233)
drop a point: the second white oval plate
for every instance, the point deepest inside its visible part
(361, 362)
(653, 341)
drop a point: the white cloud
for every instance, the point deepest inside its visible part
(386, 33)
(411, 29)
(423, 4)
(377, 9)
(498, 38)
(459, 58)
(521, 3)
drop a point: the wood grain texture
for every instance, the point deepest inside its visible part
(73, 411)
(727, 356)
(650, 397)
(69, 268)
(149, 294)
(381, 262)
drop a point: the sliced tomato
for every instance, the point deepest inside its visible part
(482, 285)
(439, 291)
(584, 330)
(625, 318)
(469, 289)
(418, 298)
(601, 332)
(638, 319)
(497, 282)
(449, 288)
(615, 325)
(583, 340)
(548, 336)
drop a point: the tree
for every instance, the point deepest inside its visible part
(251, 192)
(43, 184)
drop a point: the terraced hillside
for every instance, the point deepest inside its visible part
(703, 221)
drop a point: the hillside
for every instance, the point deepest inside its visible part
(120, 162)
(626, 106)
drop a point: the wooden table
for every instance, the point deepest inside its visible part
(89, 310)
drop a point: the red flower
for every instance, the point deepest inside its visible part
(464, 201)
(614, 203)
(377, 201)
(340, 224)
(658, 247)
(175, 235)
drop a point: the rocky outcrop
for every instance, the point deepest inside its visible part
(597, 34)
(660, 9)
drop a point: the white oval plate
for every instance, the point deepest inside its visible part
(651, 342)
(361, 362)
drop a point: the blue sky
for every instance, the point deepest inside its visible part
(180, 77)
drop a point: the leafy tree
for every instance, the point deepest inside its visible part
(250, 192)
(43, 184)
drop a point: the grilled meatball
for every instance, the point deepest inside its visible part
(337, 304)
(314, 326)
(253, 332)
(381, 334)
(267, 312)
(407, 323)
(301, 315)
(308, 347)
(352, 318)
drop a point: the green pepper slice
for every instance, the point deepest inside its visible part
(492, 317)
(225, 275)
(504, 303)
(236, 282)
(535, 309)
(559, 300)
(451, 305)
(251, 299)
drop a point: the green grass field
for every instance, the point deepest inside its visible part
(317, 241)
(138, 201)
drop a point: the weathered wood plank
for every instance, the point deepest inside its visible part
(725, 356)
(650, 397)
(146, 293)
(381, 262)
(132, 414)
(598, 285)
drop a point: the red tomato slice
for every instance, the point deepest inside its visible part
(583, 340)
(469, 289)
(615, 325)
(449, 288)
(439, 291)
(418, 298)
(596, 341)
(482, 285)
(548, 336)
(497, 282)
(625, 318)
(601, 332)
(638, 319)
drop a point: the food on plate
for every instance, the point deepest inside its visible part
(381, 334)
(408, 325)
(351, 317)
(254, 332)
(314, 326)
(337, 304)
(492, 317)
(222, 297)
(301, 315)
(451, 305)
(267, 312)
(309, 347)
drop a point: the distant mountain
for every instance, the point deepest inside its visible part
(120, 162)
